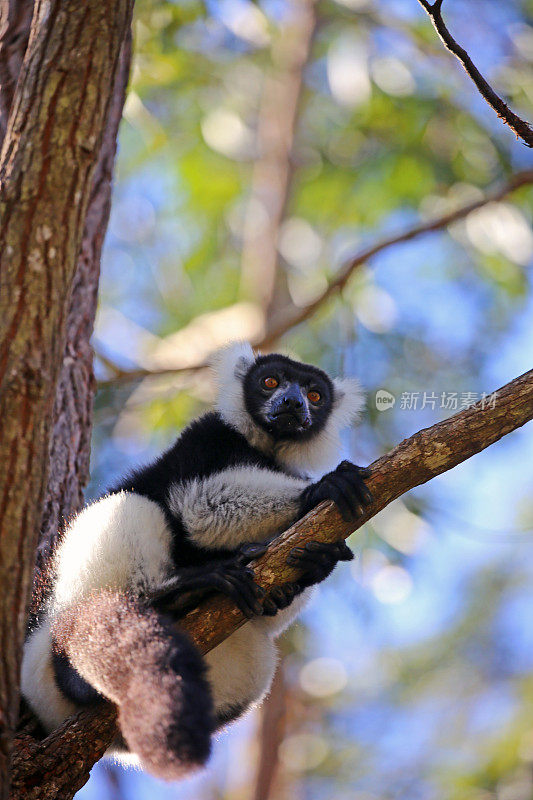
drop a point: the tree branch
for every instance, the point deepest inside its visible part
(519, 126)
(413, 462)
(286, 321)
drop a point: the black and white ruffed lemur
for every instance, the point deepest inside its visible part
(234, 479)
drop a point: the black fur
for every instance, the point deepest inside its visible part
(73, 686)
(206, 446)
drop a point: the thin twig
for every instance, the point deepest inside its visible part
(345, 273)
(519, 126)
(286, 321)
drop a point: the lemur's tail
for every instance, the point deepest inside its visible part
(134, 657)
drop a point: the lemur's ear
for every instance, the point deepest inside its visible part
(348, 400)
(231, 361)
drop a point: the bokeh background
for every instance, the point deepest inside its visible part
(263, 145)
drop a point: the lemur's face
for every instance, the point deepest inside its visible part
(287, 399)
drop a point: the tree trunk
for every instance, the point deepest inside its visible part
(72, 418)
(59, 137)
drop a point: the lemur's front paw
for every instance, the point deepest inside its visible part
(345, 486)
(317, 560)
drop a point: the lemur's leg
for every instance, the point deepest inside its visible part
(131, 655)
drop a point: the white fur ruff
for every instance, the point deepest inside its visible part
(311, 457)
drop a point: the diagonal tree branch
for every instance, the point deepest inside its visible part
(285, 321)
(519, 126)
(413, 462)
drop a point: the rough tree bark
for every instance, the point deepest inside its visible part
(74, 747)
(72, 416)
(61, 105)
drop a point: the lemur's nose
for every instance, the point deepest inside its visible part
(292, 399)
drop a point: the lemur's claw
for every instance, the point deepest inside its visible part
(317, 560)
(280, 597)
(250, 550)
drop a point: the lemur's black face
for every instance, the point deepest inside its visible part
(287, 399)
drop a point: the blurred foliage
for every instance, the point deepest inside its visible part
(437, 699)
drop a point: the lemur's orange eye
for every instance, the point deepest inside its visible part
(270, 383)
(314, 397)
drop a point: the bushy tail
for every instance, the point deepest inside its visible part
(154, 674)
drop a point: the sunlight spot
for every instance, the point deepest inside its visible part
(303, 751)
(503, 228)
(521, 35)
(299, 243)
(246, 21)
(375, 308)
(305, 288)
(402, 529)
(225, 132)
(323, 677)
(348, 70)
(365, 568)
(355, 5)
(392, 76)
(392, 585)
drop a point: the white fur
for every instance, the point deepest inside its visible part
(121, 540)
(38, 683)
(241, 667)
(313, 456)
(240, 504)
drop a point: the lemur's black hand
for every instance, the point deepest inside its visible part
(230, 577)
(345, 486)
(317, 560)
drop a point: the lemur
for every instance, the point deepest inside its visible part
(190, 521)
